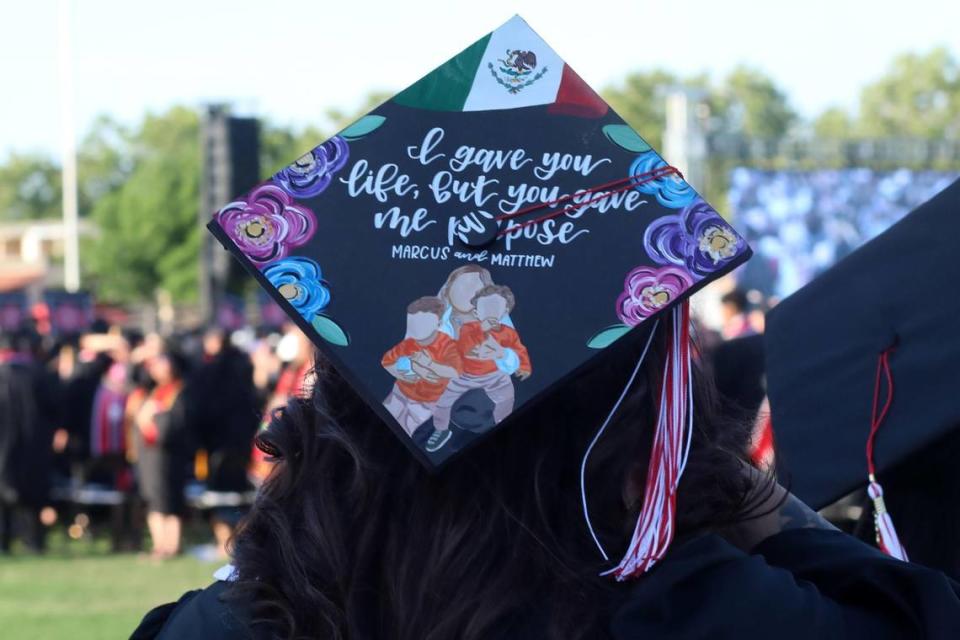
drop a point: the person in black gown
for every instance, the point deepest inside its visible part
(226, 415)
(351, 538)
(28, 404)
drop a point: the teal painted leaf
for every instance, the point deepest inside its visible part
(626, 138)
(330, 331)
(362, 127)
(608, 336)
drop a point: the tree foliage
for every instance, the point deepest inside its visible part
(919, 96)
(834, 124)
(279, 146)
(639, 101)
(30, 188)
(746, 102)
(149, 237)
(750, 103)
(141, 184)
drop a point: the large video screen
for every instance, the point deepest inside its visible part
(801, 222)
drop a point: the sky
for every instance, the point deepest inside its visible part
(291, 61)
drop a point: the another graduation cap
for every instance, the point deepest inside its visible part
(476, 239)
(862, 363)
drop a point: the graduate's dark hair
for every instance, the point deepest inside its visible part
(350, 537)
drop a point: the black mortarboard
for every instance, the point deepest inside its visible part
(895, 295)
(475, 239)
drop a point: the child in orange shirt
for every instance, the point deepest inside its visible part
(491, 352)
(423, 364)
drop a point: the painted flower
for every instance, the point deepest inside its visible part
(718, 242)
(671, 191)
(301, 283)
(312, 173)
(647, 290)
(696, 238)
(267, 224)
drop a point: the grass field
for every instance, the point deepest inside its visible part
(79, 592)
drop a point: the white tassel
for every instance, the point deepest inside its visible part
(887, 538)
(596, 437)
(656, 524)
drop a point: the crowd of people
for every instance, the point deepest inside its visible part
(800, 223)
(152, 420)
(158, 420)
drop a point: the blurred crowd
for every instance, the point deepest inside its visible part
(137, 434)
(112, 430)
(131, 430)
(799, 223)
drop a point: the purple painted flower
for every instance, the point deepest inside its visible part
(696, 238)
(267, 225)
(312, 173)
(647, 290)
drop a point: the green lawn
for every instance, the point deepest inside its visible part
(87, 594)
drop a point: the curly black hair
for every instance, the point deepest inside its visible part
(350, 537)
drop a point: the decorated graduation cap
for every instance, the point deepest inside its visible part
(862, 362)
(476, 239)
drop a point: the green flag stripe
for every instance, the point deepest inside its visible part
(446, 87)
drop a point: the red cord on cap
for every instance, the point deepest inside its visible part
(887, 538)
(622, 184)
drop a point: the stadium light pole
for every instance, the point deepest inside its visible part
(68, 152)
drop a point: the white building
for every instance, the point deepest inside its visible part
(31, 253)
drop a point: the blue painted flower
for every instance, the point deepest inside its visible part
(312, 173)
(671, 190)
(696, 238)
(301, 283)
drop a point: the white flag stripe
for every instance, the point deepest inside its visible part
(492, 86)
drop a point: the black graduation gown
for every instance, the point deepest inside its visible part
(226, 412)
(803, 584)
(78, 394)
(28, 405)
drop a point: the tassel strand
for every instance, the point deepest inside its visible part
(887, 538)
(656, 524)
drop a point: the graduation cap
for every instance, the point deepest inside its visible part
(862, 362)
(469, 244)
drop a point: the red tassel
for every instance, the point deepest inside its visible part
(656, 524)
(887, 538)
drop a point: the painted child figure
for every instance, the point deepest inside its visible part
(491, 351)
(423, 364)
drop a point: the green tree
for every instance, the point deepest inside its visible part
(30, 188)
(639, 101)
(103, 162)
(834, 124)
(279, 146)
(919, 96)
(149, 237)
(751, 104)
